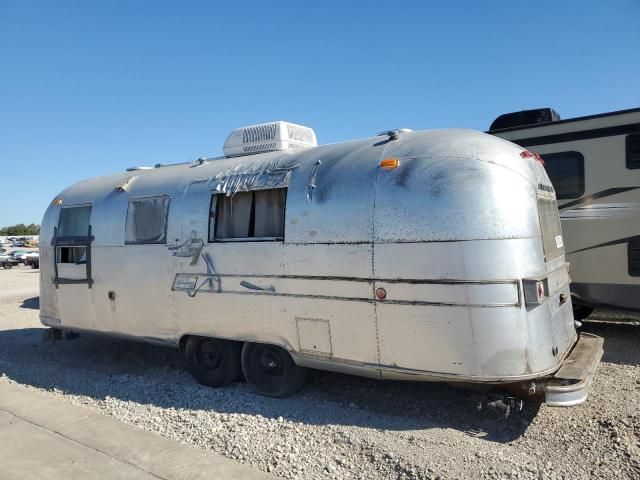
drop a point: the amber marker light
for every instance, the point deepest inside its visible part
(57, 201)
(389, 163)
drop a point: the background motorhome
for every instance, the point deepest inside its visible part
(594, 165)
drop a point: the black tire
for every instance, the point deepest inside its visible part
(8, 266)
(270, 370)
(213, 362)
(580, 312)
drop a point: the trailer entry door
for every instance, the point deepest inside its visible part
(73, 278)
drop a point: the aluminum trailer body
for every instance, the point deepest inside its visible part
(432, 255)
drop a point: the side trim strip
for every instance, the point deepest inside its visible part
(417, 281)
(608, 244)
(579, 135)
(595, 196)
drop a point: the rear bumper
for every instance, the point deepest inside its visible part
(571, 384)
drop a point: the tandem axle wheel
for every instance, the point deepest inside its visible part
(268, 369)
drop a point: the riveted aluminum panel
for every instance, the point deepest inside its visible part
(143, 289)
(340, 207)
(453, 199)
(483, 342)
(467, 260)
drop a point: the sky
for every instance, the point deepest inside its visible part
(91, 88)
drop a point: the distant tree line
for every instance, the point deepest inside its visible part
(20, 229)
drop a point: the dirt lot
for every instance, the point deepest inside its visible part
(338, 426)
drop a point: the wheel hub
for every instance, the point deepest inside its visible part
(209, 356)
(270, 363)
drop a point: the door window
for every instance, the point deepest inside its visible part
(73, 222)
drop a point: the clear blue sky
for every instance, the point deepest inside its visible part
(91, 87)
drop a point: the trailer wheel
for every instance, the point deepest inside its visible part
(213, 362)
(580, 312)
(270, 370)
(8, 266)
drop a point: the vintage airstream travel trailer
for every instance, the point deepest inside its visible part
(431, 255)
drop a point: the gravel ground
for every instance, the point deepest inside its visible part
(338, 426)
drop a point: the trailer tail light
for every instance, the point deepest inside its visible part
(536, 156)
(536, 292)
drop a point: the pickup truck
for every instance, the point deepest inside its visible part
(7, 261)
(32, 259)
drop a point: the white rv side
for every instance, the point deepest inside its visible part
(594, 165)
(433, 255)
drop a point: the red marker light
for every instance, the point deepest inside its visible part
(536, 156)
(381, 293)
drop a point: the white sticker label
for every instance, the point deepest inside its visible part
(559, 242)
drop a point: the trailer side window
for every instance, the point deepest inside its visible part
(147, 221)
(566, 171)
(633, 150)
(73, 222)
(251, 216)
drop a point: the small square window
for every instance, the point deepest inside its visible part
(251, 216)
(633, 150)
(147, 221)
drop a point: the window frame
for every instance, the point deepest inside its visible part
(59, 242)
(631, 165)
(166, 220)
(211, 234)
(66, 208)
(58, 254)
(583, 182)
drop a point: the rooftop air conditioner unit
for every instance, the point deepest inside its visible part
(268, 137)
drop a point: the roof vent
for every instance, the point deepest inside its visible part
(525, 117)
(268, 137)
